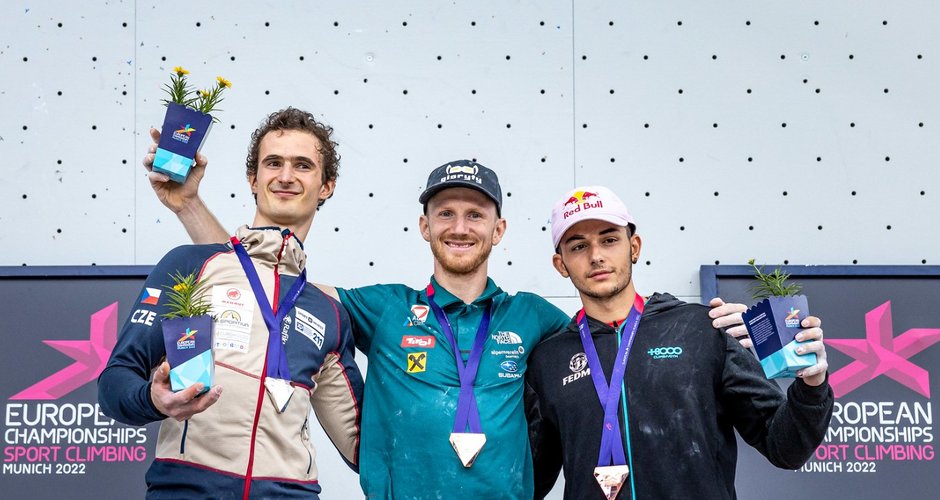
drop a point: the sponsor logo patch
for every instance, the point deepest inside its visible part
(510, 369)
(578, 362)
(509, 366)
(426, 341)
(462, 172)
(509, 353)
(665, 352)
(581, 200)
(419, 314)
(579, 367)
(417, 362)
(507, 338)
(309, 326)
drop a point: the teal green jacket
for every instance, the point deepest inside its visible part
(412, 388)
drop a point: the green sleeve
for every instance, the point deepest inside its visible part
(365, 306)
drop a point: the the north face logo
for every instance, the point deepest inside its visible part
(507, 338)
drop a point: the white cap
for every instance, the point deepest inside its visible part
(588, 203)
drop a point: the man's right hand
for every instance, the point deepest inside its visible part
(183, 199)
(183, 404)
(175, 196)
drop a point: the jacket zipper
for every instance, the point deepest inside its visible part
(264, 371)
(305, 437)
(183, 437)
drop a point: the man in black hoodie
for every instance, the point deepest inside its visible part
(661, 425)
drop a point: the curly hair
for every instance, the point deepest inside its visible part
(296, 119)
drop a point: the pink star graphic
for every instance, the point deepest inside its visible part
(881, 353)
(90, 357)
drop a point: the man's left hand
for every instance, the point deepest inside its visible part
(727, 317)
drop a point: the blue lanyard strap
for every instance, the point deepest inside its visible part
(467, 412)
(611, 450)
(277, 356)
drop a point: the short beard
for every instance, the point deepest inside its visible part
(608, 295)
(463, 266)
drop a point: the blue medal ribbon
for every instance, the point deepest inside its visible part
(468, 415)
(611, 452)
(276, 360)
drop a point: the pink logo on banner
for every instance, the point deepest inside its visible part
(90, 357)
(881, 353)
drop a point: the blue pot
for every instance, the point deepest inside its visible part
(184, 130)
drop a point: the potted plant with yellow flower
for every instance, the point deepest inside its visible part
(187, 333)
(774, 322)
(186, 124)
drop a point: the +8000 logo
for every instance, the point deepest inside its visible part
(665, 352)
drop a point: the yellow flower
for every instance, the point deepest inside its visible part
(180, 71)
(179, 287)
(204, 93)
(223, 82)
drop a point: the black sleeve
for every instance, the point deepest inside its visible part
(786, 430)
(544, 440)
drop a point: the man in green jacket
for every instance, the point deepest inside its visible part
(436, 425)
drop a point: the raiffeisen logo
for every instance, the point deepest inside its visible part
(581, 200)
(187, 340)
(881, 353)
(183, 134)
(90, 357)
(793, 318)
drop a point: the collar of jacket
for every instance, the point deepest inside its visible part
(444, 298)
(274, 246)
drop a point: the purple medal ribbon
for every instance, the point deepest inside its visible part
(467, 412)
(276, 360)
(609, 396)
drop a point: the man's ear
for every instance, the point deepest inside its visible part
(253, 183)
(499, 231)
(424, 227)
(560, 265)
(326, 190)
(635, 244)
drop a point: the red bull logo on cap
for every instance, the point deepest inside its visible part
(581, 200)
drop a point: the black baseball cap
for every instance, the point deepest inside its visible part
(464, 173)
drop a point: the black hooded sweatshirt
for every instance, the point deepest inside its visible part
(688, 387)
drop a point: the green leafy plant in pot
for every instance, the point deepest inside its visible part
(774, 321)
(187, 333)
(186, 124)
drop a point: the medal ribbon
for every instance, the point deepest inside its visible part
(277, 356)
(467, 412)
(609, 396)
